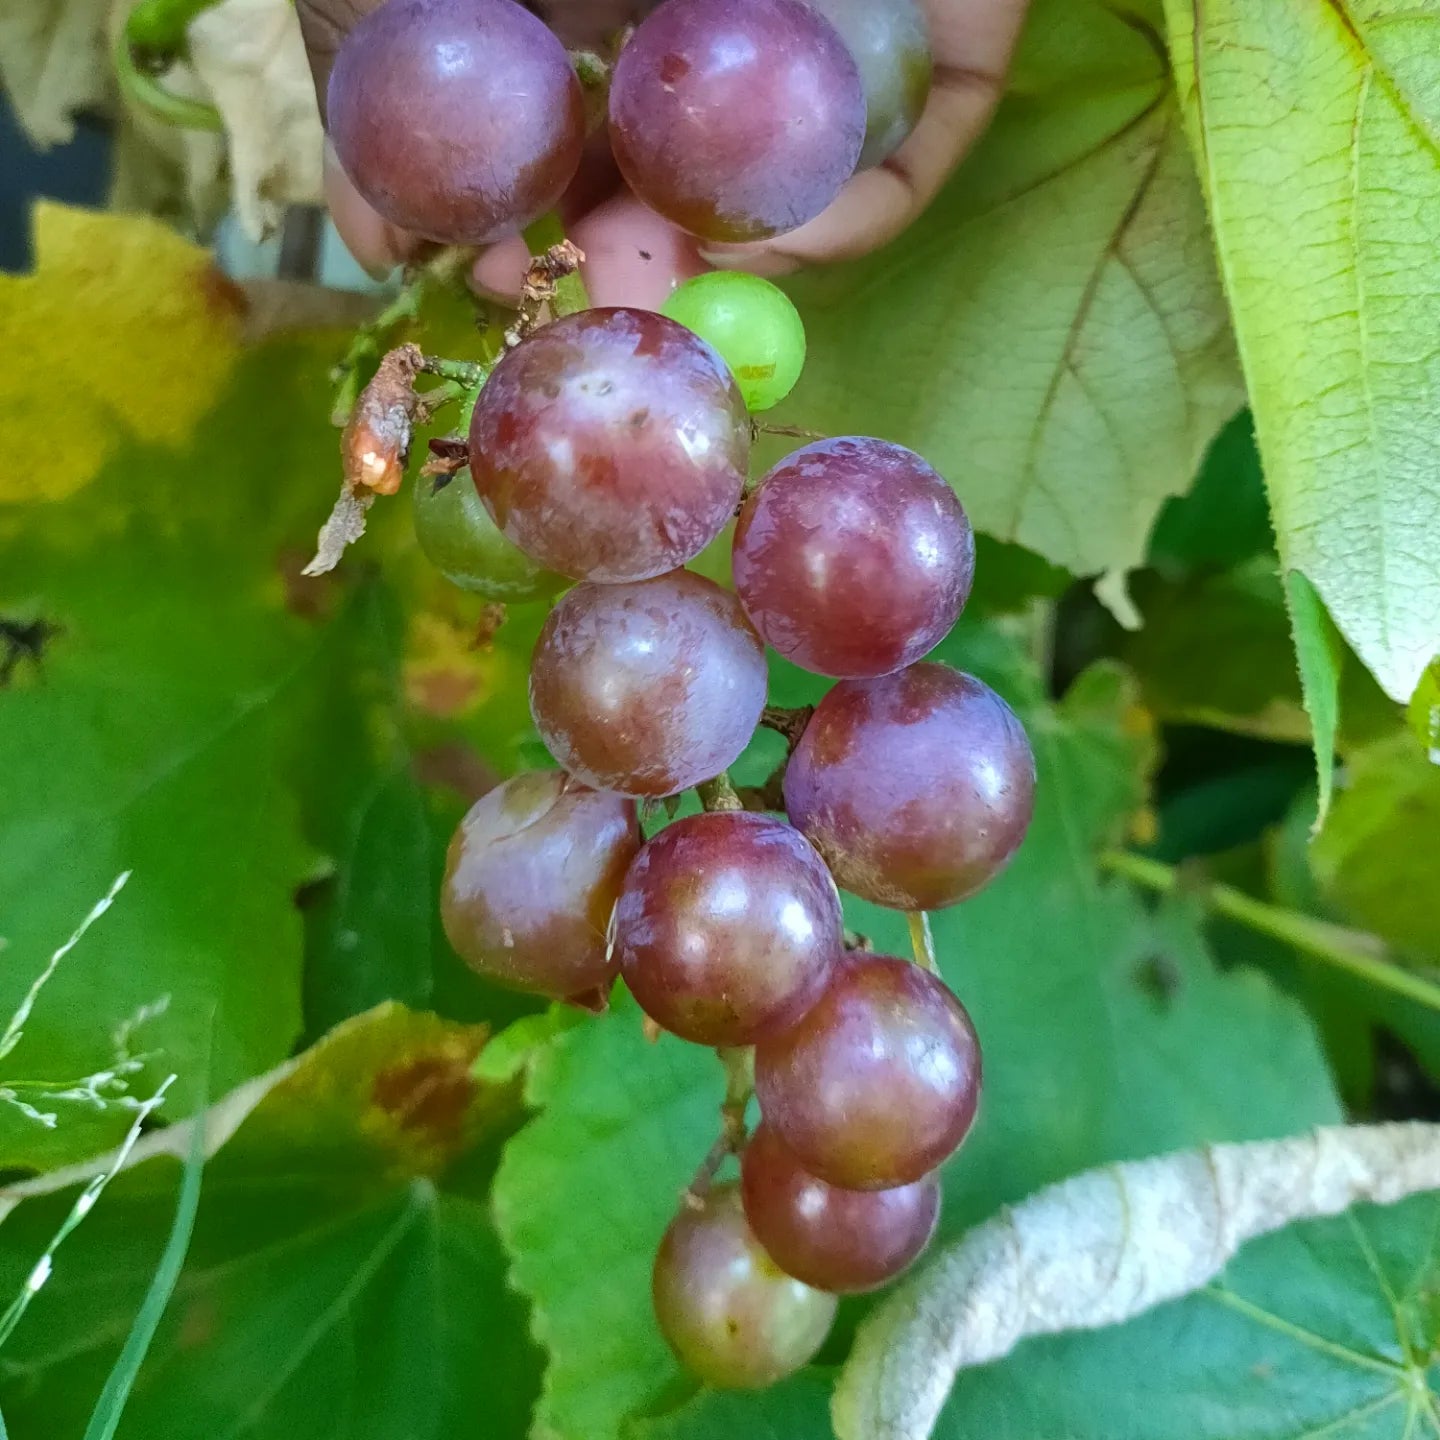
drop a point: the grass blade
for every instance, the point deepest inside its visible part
(111, 1405)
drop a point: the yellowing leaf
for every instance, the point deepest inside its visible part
(1051, 334)
(98, 277)
(1318, 131)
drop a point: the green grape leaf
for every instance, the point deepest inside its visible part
(1375, 859)
(343, 1278)
(156, 729)
(254, 748)
(1216, 650)
(1326, 240)
(1424, 711)
(1223, 519)
(1051, 333)
(1320, 654)
(1107, 1034)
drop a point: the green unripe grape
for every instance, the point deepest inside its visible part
(753, 325)
(461, 540)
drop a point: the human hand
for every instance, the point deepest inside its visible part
(634, 256)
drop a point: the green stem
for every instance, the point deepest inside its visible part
(570, 293)
(1354, 951)
(163, 104)
(463, 372)
(159, 27)
(368, 341)
(739, 1063)
(922, 941)
(719, 794)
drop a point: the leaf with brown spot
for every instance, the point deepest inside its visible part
(343, 1256)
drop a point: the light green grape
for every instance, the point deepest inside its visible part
(753, 325)
(461, 540)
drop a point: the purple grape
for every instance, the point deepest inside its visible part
(611, 445)
(736, 119)
(725, 1309)
(891, 46)
(727, 927)
(878, 1082)
(531, 879)
(843, 1241)
(648, 688)
(853, 558)
(917, 788)
(459, 120)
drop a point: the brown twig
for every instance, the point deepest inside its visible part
(789, 721)
(541, 286)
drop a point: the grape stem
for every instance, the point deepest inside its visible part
(1354, 951)
(922, 941)
(545, 237)
(739, 1064)
(368, 342)
(789, 721)
(719, 794)
(795, 432)
(466, 372)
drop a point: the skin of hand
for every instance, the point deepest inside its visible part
(633, 257)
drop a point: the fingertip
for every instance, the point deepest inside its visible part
(377, 245)
(633, 256)
(499, 270)
(764, 260)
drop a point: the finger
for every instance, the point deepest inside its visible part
(972, 41)
(632, 257)
(377, 245)
(323, 25)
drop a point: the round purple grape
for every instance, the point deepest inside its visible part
(853, 557)
(648, 688)
(459, 120)
(727, 927)
(736, 119)
(844, 1241)
(879, 1080)
(531, 879)
(610, 445)
(916, 787)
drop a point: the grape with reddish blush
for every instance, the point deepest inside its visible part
(648, 688)
(736, 119)
(727, 927)
(531, 879)
(853, 557)
(917, 787)
(878, 1082)
(844, 1241)
(891, 46)
(610, 445)
(731, 1316)
(459, 120)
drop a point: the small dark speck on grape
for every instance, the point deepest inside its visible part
(645, 255)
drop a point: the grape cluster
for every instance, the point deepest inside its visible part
(606, 450)
(609, 448)
(463, 120)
